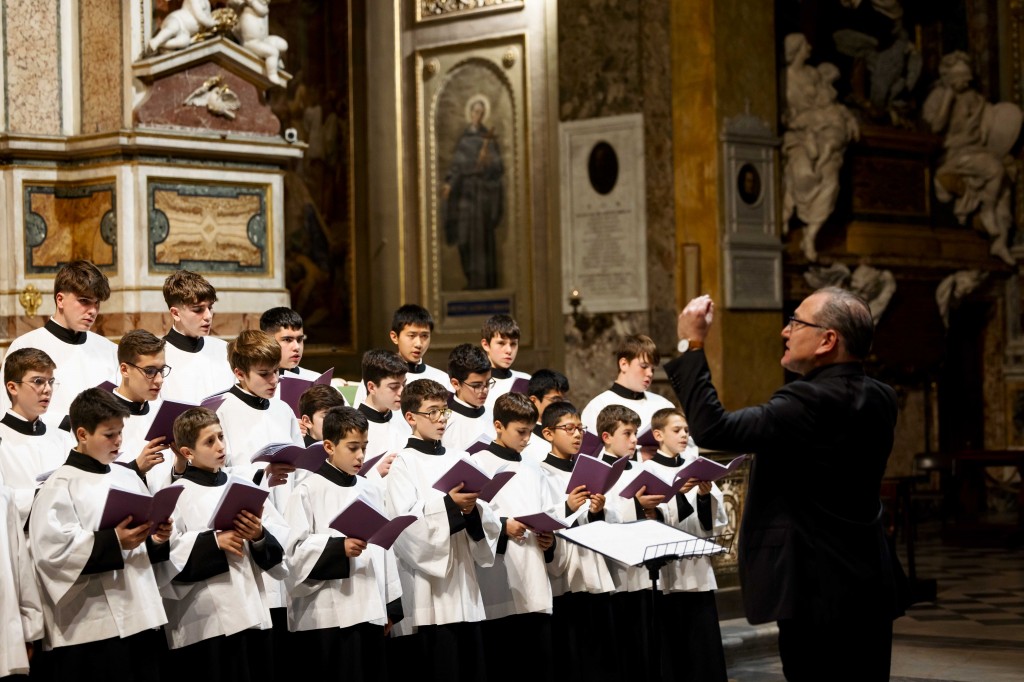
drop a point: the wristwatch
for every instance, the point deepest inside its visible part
(689, 344)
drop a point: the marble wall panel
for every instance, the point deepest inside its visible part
(208, 228)
(101, 69)
(34, 78)
(64, 223)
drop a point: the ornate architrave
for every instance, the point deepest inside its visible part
(430, 10)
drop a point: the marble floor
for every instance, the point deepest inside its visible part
(973, 632)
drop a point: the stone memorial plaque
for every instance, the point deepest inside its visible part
(604, 218)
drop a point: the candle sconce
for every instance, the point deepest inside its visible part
(590, 326)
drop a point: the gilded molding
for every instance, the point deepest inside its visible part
(427, 10)
(30, 299)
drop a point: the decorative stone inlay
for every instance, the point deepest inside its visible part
(208, 227)
(63, 223)
(434, 9)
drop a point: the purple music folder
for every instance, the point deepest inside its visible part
(655, 485)
(463, 471)
(238, 496)
(542, 522)
(704, 469)
(480, 444)
(310, 459)
(363, 521)
(498, 481)
(369, 464)
(291, 388)
(645, 438)
(143, 508)
(597, 475)
(163, 422)
(107, 386)
(520, 385)
(591, 444)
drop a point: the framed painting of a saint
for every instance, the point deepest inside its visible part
(473, 195)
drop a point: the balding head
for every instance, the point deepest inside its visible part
(850, 317)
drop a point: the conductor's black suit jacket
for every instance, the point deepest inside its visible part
(811, 544)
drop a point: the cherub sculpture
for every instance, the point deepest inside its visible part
(253, 32)
(181, 25)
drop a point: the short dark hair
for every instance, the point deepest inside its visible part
(408, 314)
(638, 346)
(850, 317)
(609, 418)
(190, 423)
(466, 359)
(544, 381)
(554, 413)
(276, 319)
(81, 278)
(25, 360)
(380, 364)
(499, 325)
(421, 390)
(660, 418)
(136, 343)
(319, 397)
(514, 407)
(253, 348)
(184, 287)
(92, 407)
(342, 420)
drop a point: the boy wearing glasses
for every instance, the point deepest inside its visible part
(469, 370)
(200, 361)
(86, 359)
(142, 375)
(27, 446)
(438, 554)
(580, 583)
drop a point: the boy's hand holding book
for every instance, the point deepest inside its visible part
(130, 537)
(464, 501)
(577, 497)
(596, 503)
(354, 547)
(649, 503)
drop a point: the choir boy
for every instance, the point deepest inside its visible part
(384, 374)
(545, 387)
(345, 593)
(470, 373)
(21, 614)
(516, 589)
(200, 361)
(691, 642)
(438, 553)
(219, 622)
(631, 601)
(86, 359)
(411, 327)
(101, 606)
(28, 447)
(499, 337)
(285, 325)
(636, 356)
(581, 611)
(313, 405)
(142, 371)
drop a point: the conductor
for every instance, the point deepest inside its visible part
(813, 554)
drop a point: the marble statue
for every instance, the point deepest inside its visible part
(253, 32)
(181, 25)
(217, 97)
(875, 286)
(818, 132)
(976, 172)
(954, 288)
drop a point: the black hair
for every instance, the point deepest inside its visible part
(466, 359)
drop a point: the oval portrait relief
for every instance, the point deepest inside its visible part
(603, 167)
(748, 184)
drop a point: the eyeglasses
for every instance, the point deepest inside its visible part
(795, 320)
(437, 414)
(482, 386)
(571, 429)
(151, 372)
(40, 383)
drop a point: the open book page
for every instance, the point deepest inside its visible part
(633, 543)
(239, 495)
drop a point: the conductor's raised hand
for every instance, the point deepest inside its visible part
(695, 319)
(577, 497)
